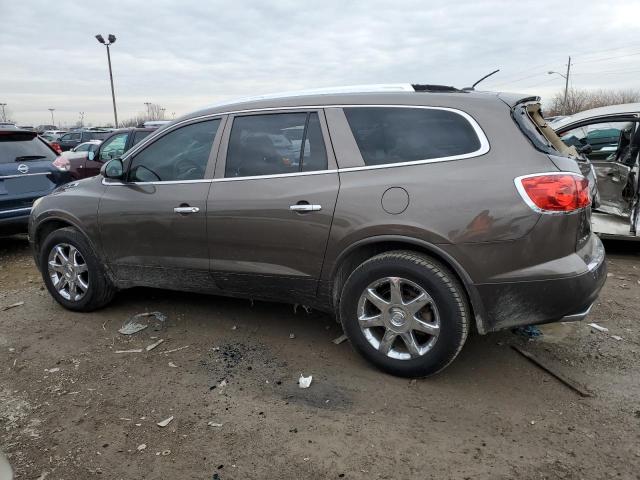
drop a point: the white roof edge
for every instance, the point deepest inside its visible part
(631, 108)
(373, 88)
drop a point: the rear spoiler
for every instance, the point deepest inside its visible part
(513, 99)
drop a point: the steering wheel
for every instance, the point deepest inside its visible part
(185, 169)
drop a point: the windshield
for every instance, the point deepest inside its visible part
(20, 147)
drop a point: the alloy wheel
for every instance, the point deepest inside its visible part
(68, 272)
(398, 318)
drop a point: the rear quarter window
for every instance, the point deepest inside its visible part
(398, 134)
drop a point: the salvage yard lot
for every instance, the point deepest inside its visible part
(72, 408)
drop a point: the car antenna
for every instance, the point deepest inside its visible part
(473, 87)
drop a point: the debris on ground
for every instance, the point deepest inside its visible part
(597, 327)
(166, 452)
(165, 422)
(173, 365)
(306, 308)
(175, 349)
(305, 382)
(136, 323)
(292, 336)
(616, 337)
(52, 370)
(340, 339)
(235, 327)
(529, 331)
(213, 424)
(133, 350)
(148, 348)
(13, 305)
(582, 391)
(142, 446)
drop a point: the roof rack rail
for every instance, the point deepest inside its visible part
(418, 87)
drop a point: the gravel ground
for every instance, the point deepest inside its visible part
(72, 408)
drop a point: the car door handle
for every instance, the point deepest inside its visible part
(305, 207)
(185, 210)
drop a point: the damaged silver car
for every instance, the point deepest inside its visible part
(609, 137)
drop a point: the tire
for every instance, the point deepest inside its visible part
(445, 307)
(99, 291)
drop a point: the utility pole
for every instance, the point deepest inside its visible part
(162, 113)
(52, 120)
(82, 119)
(173, 114)
(112, 40)
(566, 85)
(4, 115)
(148, 104)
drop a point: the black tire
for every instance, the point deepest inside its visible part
(437, 281)
(100, 291)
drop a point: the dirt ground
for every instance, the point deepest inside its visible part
(72, 408)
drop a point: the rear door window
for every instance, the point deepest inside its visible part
(113, 147)
(387, 135)
(22, 147)
(274, 144)
(603, 139)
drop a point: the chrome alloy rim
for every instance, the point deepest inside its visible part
(68, 272)
(398, 318)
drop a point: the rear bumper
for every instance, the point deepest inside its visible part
(512, 304)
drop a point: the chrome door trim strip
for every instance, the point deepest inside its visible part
(16, 210)
(20, 175)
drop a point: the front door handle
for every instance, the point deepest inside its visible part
(305, 207)
(186, 210)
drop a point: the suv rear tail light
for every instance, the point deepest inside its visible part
(560, 192)
(56, 147)
(62, 163)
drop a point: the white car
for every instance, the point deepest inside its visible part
(610, 138)
(90, 146)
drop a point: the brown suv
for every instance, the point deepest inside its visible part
(412, 213)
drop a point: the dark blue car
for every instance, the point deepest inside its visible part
(26, 173)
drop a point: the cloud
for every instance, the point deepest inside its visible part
(186, 54)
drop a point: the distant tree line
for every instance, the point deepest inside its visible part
(581, 99)
(156, 112)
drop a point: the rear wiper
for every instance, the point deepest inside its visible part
(25, 158)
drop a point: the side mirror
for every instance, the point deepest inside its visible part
(113, 169)
(91, 155)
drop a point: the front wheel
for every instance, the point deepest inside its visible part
(73, 273)
(405, 312)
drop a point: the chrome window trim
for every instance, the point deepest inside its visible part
(518, 183)
(230, 179)
(20, 175)
(15, 210)
(484, 141)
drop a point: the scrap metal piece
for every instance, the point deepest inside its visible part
(582, 391)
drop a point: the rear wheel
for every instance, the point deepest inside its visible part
(72, 272)
(405, 312)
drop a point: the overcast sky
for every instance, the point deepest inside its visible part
(189, 53)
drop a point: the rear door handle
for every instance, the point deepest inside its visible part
(185, 210)
(305, 207)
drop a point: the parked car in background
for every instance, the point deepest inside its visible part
(43, 128)
(86, 159)
(412, 213)
(8, 125)
(73, 139)
(26, 173)
(609, 137)
(25, 127)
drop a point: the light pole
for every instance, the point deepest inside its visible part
(52, 120)
(4, 115)
(173, 114)
(81, 119)
(112, 40)
(162, 113)
(566, 85)
(148, 104)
